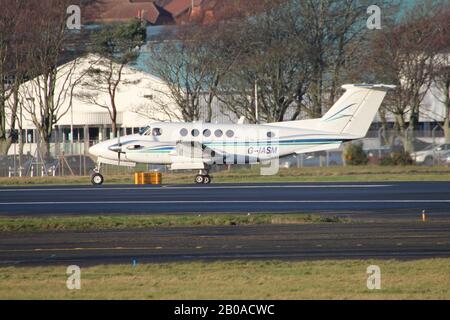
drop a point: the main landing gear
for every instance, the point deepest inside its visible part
(203, 177)
(97, 178)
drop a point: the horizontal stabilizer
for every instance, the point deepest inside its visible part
(322, 147)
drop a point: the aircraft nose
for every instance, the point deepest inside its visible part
(95, 150)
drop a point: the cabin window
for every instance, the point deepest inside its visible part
(195, 133)
(218, 133)
(156, 132)
(184, 132)
(207, 133)
(230, 133)
(270, 134)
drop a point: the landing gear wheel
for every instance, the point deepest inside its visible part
(97, 179)
(429, 161)
(199, 179)
(206, 179)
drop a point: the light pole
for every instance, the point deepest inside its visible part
(71, 128)
(20, 139)
(256, 102)
(31, 100)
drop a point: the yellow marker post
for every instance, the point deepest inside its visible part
(139, 178)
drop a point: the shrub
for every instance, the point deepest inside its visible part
(355, 155)
(402, 158)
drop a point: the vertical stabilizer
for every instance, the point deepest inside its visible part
(354, 112)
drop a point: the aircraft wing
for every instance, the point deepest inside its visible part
(195, 150)
(117, 163)
(191, 155)
(195, 155)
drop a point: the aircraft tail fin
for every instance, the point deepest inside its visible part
(354, 112)
(351, 115)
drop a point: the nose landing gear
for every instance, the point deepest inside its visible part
(97, 178)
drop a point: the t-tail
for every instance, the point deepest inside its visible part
(352, 114)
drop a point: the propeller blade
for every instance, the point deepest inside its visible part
(120, 147)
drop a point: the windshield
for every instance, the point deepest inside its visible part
(144, 130)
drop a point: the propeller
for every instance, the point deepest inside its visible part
(119, 153)
(117, 148)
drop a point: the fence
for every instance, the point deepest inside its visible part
(73, 158)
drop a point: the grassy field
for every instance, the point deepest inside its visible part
(87, 223)
(421, 279)
(331, 174)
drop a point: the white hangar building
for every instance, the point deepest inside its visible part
(141, 99)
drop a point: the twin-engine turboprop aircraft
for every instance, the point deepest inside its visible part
(198, 146)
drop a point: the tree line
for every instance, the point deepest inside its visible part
(299, 53)
(296, 52)
(40, 66)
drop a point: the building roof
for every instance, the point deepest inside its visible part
(123, 10)
(178, 7)
(160, 12)
(140, 97)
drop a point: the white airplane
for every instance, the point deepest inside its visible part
(198, 146)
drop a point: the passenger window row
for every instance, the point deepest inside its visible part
(206, 133)
(218, 133)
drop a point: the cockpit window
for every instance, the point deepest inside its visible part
(144, 130)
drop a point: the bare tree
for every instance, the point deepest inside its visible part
(441, 78)
(12, 67)
(405, 55)
(298, 52)
(273, 56)
(442, 81)
(197, 63)
(117, 46)
(181, 64)
(44, 95)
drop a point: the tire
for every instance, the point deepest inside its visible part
(206, 179)
(97, 179)
(429, 161)
(199, 179)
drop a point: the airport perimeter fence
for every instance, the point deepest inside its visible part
(72, 159)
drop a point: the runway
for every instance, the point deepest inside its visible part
(382, 198)
(413, 240)
(385, 223)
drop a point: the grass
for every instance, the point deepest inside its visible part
(330, 174)
(29, 224)
(346, 279)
